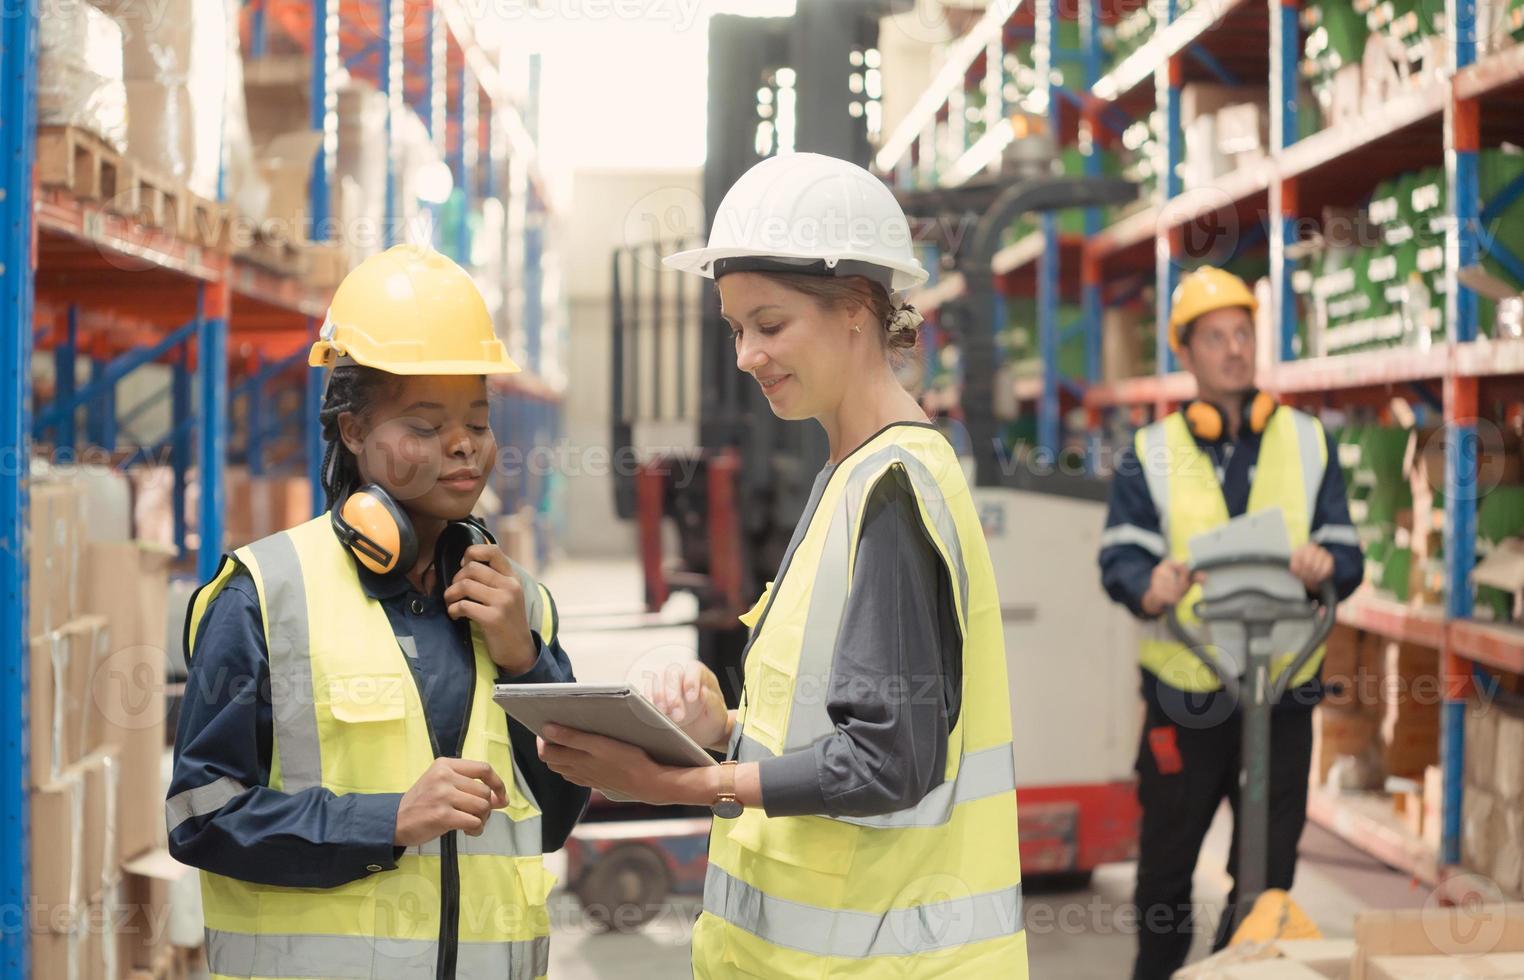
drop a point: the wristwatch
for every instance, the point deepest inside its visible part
(725, 804)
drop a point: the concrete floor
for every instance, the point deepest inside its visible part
(1077, 935)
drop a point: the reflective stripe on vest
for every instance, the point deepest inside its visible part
(858, 935)
(294, 719)
(989, 772)
(1188, 499)
(362, 957)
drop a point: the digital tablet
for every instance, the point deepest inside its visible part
(616, 711)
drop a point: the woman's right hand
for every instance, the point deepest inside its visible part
(452, 794)
(689, 694)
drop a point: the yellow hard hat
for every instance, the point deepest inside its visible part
(411, 310)
(1202, 291)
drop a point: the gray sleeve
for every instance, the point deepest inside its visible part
(896, 680)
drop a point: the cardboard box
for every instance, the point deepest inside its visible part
(79, 70)
(143, 935)
(1508, 849)
(1445, 967)
(1121, 343)
(287, 165)
(1469, 931)
(1199, 99)
(1243, 129)
(1342, 665)
(1326, 957)
(1481, 743)
(57, 814)
(1477, 806)
(1339, 733)
(55, 542)
(61, 726)
(99, 775)
(1508, 756)
(127, 584)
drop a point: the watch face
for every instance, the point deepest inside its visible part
(727, 809)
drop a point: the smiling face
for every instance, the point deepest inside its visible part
(1220, 352)
(427, 442)
(801, 351)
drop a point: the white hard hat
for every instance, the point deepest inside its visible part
(805, 212)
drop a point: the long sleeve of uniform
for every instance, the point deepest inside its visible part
(1132, 543)
(896, 681)
(1332, 528)
(562, 803)
(223, 817)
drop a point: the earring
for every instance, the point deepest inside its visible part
(857, 328)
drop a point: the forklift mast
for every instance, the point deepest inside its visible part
(775, 84)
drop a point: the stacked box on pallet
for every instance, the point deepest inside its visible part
(1492, 811)
(174, 63)
(79, 71)
(97, 717)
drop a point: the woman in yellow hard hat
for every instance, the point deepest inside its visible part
(866, 811)
(356, 803)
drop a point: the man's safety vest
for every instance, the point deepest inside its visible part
(930, 891)
(1293, 453)
(347, 716)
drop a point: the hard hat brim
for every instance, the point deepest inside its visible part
(700, 261)
(324, 354)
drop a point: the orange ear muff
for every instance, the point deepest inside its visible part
(376, 530)
(1260, 409)
(1204, 420)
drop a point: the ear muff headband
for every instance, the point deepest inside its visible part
(1206, 422)
(376, 529)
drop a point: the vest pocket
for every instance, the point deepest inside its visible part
(814, 844)
(370, 738)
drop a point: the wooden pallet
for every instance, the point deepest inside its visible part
(158, 200)
(207, 223)
(86, 165)
(275, 253)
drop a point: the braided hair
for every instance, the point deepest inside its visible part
(351, 388)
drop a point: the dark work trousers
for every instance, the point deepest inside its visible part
(1183, 774)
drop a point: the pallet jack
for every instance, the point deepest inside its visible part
(1263, 595)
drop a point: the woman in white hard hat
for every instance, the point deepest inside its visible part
(867, 807)
(357, 804)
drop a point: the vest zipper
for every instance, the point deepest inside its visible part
(449, 858)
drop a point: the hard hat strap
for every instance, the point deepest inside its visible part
(809, 267)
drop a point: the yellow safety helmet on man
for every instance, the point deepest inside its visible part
(1202, 291)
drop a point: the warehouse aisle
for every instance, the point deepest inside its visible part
(1078, 935)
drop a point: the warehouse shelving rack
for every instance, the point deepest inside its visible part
(81, 281)
(1474, 103)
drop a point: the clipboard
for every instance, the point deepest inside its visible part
(616, 711)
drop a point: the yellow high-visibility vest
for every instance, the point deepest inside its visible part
(1293, 454)
(930, 891)
(347, 716)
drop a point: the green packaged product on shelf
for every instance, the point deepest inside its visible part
(1501, 514)
(1395, 573)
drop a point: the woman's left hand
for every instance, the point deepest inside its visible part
(609, 765)
(486, 591)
